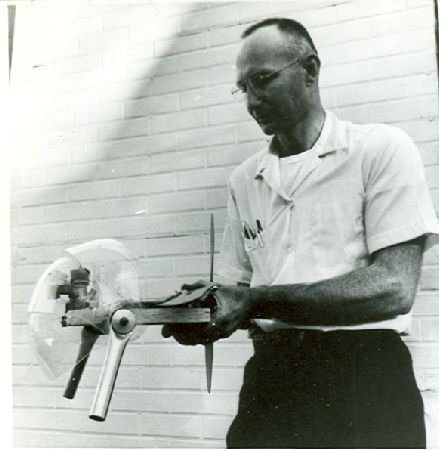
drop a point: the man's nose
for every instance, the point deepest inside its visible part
(253, 100)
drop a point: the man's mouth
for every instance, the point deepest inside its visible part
(262, 118)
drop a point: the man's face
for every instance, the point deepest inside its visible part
(283, 100)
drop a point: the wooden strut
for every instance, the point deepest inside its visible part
(150, 316)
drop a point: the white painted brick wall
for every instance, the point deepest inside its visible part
(125, 129)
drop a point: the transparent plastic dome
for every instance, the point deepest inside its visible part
(90, 277)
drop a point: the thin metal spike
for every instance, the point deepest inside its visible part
(208, 348)
(208, 360)
(212, 246)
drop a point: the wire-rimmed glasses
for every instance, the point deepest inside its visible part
(258, 81)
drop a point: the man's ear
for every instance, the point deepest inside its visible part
(312, 66)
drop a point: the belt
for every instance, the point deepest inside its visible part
(305, 341)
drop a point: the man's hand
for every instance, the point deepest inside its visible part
(231, 312)
(187, 333)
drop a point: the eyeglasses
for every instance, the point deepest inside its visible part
(259, 81)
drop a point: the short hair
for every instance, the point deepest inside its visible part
(288, 26)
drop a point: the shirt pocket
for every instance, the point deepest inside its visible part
(256, 250)
(253, 245)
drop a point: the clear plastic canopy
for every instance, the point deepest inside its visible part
(89, 277)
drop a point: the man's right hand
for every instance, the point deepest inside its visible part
(187, 333)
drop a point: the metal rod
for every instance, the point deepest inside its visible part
(104, 391)
(88, 339)
(123, 322)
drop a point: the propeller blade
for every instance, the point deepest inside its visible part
(208, 348)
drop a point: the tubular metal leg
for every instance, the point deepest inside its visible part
(88, 339)
(122, 324)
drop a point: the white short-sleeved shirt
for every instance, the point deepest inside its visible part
(361, 188)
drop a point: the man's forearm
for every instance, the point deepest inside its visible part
(377, 292)
(348, 299)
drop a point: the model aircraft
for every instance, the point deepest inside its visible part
(93, 291)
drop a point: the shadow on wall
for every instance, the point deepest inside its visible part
(127, 135)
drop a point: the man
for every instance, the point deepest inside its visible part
(324, 241)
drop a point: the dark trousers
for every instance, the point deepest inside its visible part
(348, 389)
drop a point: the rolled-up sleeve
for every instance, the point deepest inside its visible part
(398, 206)
(234, 263)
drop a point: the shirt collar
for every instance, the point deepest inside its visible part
(333, 137)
